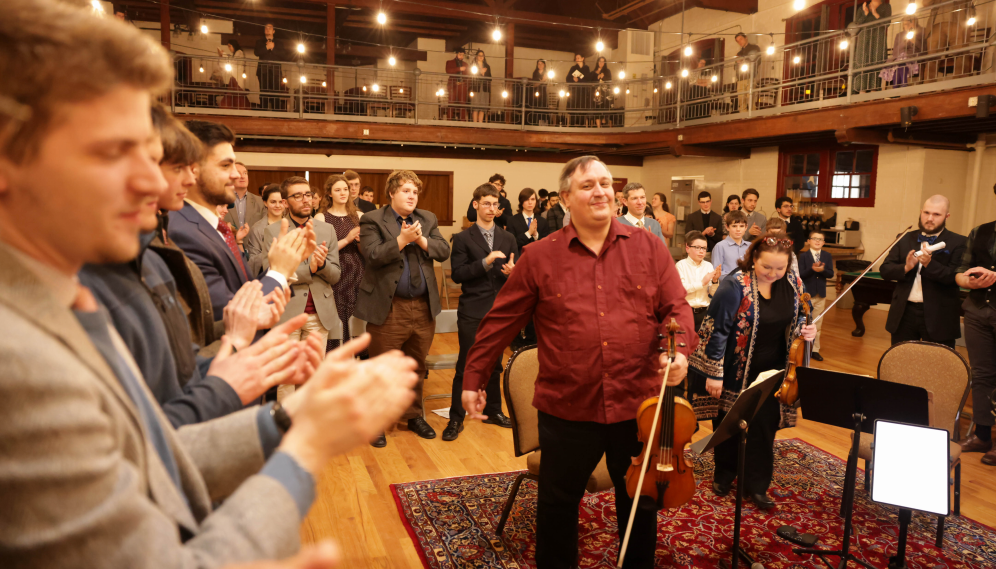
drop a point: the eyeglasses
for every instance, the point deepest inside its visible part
(772, 241)
(488, 205)
(299, 197)
(698, 248)
(816, 239)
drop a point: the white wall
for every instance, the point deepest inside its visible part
(467, 174)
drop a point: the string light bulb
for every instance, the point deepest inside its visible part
(496, 35)
(715, 78)
(504, 94)
(375, 87)
(796, 59)
(844, 44)
(744, 67)
(971, 21)
(473, 69)
(228, 67)
(244, 76)
(910, 34)
(391, 61)
(627, 91)
(285, 80)
(536, 94)
(911, 8)
(616, 90)
(684, 73)
(201, 70)
(204, 28)
(97, 6)
(304, 79)
(323, 84)
(622, 74)
(599, 46)
(667, 85)
(300, 48)
(799, 4)
(771, 46)
(381, 18)
(550, 74)
(561, 93)
(401, 90)
(688, 51)
(655, 89)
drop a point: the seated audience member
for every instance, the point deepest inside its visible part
(367, 195)
(708, 222)
(729, 251)
(207, 240)
(275, 207)
(399, 297)
(635, 197)
(555, 216)
(815, 267)
(362, 204)
(342, 215)
(315, 275)
(697, 274)
(248, 207)
(778, 225)
(527, 226)
(143, 305)
(504, 206)
(483, 257)
(114, 484)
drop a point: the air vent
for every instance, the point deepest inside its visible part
(641, 43)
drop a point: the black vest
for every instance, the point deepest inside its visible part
(982, 257)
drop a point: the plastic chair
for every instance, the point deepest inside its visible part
(446, 323)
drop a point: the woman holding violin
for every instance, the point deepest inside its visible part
(752, 321)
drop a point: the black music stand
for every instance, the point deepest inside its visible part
(855, 402)
(735, 423)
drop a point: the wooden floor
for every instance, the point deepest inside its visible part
(355, 506)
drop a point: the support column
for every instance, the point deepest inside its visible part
(164, 23)
(509, 50)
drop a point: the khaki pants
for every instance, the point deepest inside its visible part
(743, 86)
(410, 328)
(819, 303)
(312, 326)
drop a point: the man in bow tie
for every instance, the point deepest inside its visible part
(925, 300)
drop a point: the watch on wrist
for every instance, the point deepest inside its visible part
(280, 417)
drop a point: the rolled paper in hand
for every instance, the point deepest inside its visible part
(931, 248)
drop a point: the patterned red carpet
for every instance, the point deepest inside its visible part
(452, 522)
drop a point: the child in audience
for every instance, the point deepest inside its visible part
(730, 250)
(696, 275)
(815, 267)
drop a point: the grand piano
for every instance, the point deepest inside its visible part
(872, 289)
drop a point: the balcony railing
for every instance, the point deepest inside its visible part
(947, 46)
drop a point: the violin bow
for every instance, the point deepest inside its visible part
(646, 456)
(863, 273)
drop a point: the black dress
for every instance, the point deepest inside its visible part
(775, 315)
(351, 264)
(580, 93)
(603, 91)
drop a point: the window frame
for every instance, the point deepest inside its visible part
(828, 158)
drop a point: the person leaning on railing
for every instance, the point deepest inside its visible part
(871, 44)
(456, 86)
(536, 94)
(904, 48)
(743, 77)
(480, 88)
(269, 48)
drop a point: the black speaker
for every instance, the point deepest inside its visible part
(906, 115)
(983, 106)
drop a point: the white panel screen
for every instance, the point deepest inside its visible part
(910, 467)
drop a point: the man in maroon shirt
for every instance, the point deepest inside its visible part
(598, 292)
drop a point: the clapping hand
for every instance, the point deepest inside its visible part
(318, 258)
(911, 261)
(818, 267)
(240, 314)
(506, 269)
(262, 365)
(708, 278)
(243, 231)
(290, 248)
(709, 231)
(410, 233)
(755, 229)
(272, 308)
(493, 256)
(533, 227)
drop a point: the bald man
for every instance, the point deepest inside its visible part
(925, 300)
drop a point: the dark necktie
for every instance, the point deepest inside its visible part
(414, 272)
(490, 238)
(226, 232)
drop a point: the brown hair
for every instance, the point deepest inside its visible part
(179, 145)
(663, 201)
(694, 235)
(524, 197)
(326, 204)
(735, 216)
(485, 190)
(769, 242)
(776, 225)
(399, 178)
(53, 53)
(211, 134)
(269, 189)
(348, 175)
(293, 181)
(581, 163)
(630, 187)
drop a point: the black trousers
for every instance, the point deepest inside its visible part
(980, 339)
(913, 327)
(466, 331)
(759, 460)
(698, 315)
(571, 451)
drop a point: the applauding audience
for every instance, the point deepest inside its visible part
(341, 213)
(527, 226)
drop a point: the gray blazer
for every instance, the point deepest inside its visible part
(378, 242)
(89, 489)
(255, 210)
(320, 283)
(650, 224)
(253, 244)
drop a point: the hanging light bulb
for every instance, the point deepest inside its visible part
(627, 91)
(561, 93)
(364, 87)
(285, 80)
(323, 84)
(471, 93)
(201, 69)
(616, 90)
(550, 74)
(244, 76)
(844, 44)
(655, 89)
(401, 90)
(375, 87)
(622, 74)
(799, 4)
(536, 94)
(971, 21)
(684, 73)
(910, 34)
(599, 46)
(770, 50)
(473, 69)
(228, 67)
(381, 18)
(496, 35)
(911, 8)
(744, 67)
(714, 78)
(304, 79)
(391, 61)
(97, 6)
(667, 85)
(300, 48)
(796, 59)
(204, 28)
(504, 94)
(568, 94)
(688, 51)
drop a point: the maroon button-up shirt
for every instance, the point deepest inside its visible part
(597, 318)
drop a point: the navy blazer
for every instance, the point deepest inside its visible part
(204, 246)
(815, 281)
(478, 286)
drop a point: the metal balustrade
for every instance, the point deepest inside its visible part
(942, 46)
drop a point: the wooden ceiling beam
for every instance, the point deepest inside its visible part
(249, 9)
(699, 150)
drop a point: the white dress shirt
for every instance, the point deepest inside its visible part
(528, 217)
(634, 220)
(697, 294)
(916, 291)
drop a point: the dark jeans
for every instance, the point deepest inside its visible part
(759, 460)
(913, 327)
(980, 339)
(466, 331)
(571, 451)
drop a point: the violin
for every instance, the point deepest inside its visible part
(665, 424)
(799, 355)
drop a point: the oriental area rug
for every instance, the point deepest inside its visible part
(452, 522)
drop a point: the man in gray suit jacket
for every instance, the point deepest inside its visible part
(248, 208)
(315, 276)
(399, 298)
(635, 196)
(555, 215)
(91, 472)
